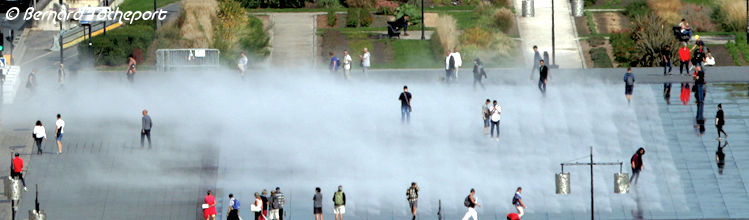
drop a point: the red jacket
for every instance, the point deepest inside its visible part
(684, 54)
(17, 164)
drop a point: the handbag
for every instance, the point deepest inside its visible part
(254, 208)
(204, 206)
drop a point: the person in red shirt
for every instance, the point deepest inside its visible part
(684, 57)
(17, 169)
(211, 210)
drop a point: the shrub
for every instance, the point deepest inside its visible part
(113, 48)
(591, 22)
(596, 41)
(622, 46)
(331, 18)
(413, 12)
(637, 8)
(503, 19)
(651, 35)
(743, 48)
(734, 51)
(589, 3)
(447, 31)
(197, 28)
(359, 3)
(365, 18)
(499, 49)
(600, 58)
(352, 17)
(476, 36)
(436, 45)
(666, 9)
(327, 4)
(731, 14)
(386, 7)
(500, 3)
(256, 41)
(699, 17)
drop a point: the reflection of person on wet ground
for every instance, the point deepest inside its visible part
(720, 121)
(637, 165)
(720, 157)
(684, 93)
(699, 128)
(667, 93)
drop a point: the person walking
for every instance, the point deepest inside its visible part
(131, 68)
(334, 63)
(471, 204)
(720, 121)
(145, 130)
(274, 206)
(39, 135)
(258, 206)
(365, 61)
(61, 75)
(496, 112)
(266, 204)
(339, 203)
(242, 64)
(233, 208)
(210, 211)
(637, 166)
(478, 72)
(684, 58)
(346, 64)
(666, 60)
(18, 170)
(629, 84)
(281, 198)
(543, 75)
(405, 98)
(450, 67)
(412, 195)
(31, 81)
(59, 130)
(536, 59)
(517, 201)
(486, 113)
(317, 204)
(458, 62)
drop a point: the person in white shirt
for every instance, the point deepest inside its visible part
(709, 59)
(496, 112)
(242, 64)
(346, 64)
(458, 61)
(59, 130)
(365, 61)
(39, 135)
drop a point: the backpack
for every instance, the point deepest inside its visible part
(452, 62)
(514, 200)
(468, 202)
(236, 204)
(338, 198)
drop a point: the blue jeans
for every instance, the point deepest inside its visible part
(667, 67)
(542, 86)
(700, 92)
(495, 124)
(405, 113)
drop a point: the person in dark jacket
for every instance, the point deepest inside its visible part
(720, 120)
(666, 56)
(478, 72)
(629, 84)
(543, 75)
(698, 56)
(636, 162)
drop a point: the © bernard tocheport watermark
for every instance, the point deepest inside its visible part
(86, 14)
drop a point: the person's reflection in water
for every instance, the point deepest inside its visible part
(720, 157)
(667, 93)
(699, 128)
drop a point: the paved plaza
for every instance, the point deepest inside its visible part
(300, 133)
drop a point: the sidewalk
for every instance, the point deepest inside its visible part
(537, 31)
(13, 138)
(293, 39)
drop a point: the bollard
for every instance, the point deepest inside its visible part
(621, 183)
(33, 215)
(532, 8)
(12, 188)
(577, 7)
(525, 8)
(563, 183)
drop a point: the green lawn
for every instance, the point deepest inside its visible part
(465, 20)
(143, 5)
(411, 54)
(700, 2)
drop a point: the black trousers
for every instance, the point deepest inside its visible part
(720, 129)
(38, 142)
(19, 175)
(144, 134)
(684, 65)
(280, 214)
(233, 215)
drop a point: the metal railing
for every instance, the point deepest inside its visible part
(170, 59)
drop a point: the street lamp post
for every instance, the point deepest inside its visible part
(424, 24)
(591, 164)
(60, 39)
(747, 21)
(553, 45)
